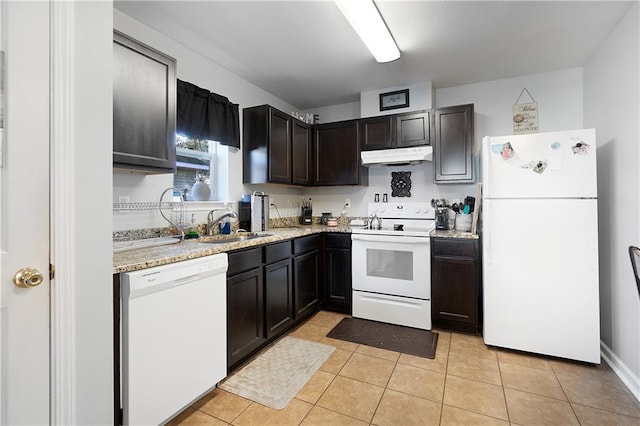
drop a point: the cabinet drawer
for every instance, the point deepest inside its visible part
(244, 260)
(304, 244)
(275, 252)
(338, 241)
(454, 247)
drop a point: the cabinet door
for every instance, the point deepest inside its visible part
(301, 153)
(453, 293)
(278, 297)
(413, 129)
(144, 108)
(337, 290)
(279, 149)
(453, 144)
(337, 155)
(305, 278)
(245, 315)
(456, 284)
(376, 133)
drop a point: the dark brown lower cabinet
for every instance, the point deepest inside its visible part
(245, 315)
(337, 273)
(278, 297)
(270, 288)
(306, 279)
(456, 291)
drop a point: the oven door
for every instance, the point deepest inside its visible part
(394, 265)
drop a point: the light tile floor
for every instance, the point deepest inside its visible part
(467, 383)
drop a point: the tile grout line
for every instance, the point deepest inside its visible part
(386, 386)
(504, 393)
(446, 375)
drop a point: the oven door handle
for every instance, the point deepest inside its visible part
(390, 239)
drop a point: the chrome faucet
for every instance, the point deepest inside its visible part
(211, 223)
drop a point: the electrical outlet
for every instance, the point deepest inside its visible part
(123, 199)
(347, 202)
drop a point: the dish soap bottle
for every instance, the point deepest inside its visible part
(225, 225)
(193, 229)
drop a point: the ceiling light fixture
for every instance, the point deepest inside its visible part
(364, 17)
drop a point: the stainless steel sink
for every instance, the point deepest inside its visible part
(232, 238)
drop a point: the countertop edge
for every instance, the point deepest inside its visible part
(135, 260)
(453, 234)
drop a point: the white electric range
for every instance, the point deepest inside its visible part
(391, 270)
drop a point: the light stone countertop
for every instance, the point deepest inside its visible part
(133, 260)
(453, 234)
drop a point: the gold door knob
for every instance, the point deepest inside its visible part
(28, 277)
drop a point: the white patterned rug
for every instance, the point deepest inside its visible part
(278, 374)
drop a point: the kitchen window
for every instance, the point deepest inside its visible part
(198, 159)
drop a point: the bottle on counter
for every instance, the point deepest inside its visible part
(225, 224)
(193, 229)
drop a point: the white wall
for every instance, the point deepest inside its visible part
(340, 112)
(559, 97)
(611, 99)
(330, 199)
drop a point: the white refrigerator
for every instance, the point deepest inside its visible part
(540, 244)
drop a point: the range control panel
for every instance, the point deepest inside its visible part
(408, 210)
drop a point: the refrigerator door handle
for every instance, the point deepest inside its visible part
(486, 219)
(486, 146)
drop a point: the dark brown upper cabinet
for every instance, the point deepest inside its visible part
(376, 133)
(276, 147)
(454, 144)
(301, 150)
(337, 155)
(413, 129)
(266, 145)
(395, 131)
(144, 107)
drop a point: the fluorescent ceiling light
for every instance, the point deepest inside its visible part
(366, 20)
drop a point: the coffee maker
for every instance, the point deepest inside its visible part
(441, 213)
(254, 212)
(442, 217)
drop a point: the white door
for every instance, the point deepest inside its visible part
(24, 213)
(543, 165)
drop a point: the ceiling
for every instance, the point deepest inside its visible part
(307, 54)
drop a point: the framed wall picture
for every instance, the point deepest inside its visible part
(393, 100)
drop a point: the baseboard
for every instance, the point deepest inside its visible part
(626, 375)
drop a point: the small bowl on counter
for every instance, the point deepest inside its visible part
(332, 221)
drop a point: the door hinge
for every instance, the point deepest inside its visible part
(52, 271)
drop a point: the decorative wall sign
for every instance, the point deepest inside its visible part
(393, 100)
(401, 184)
(525, 116)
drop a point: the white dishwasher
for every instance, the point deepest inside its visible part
(174, 337)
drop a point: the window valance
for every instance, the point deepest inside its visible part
(205, 115)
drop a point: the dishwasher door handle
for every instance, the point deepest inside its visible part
(170, 284)
(160, 278)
